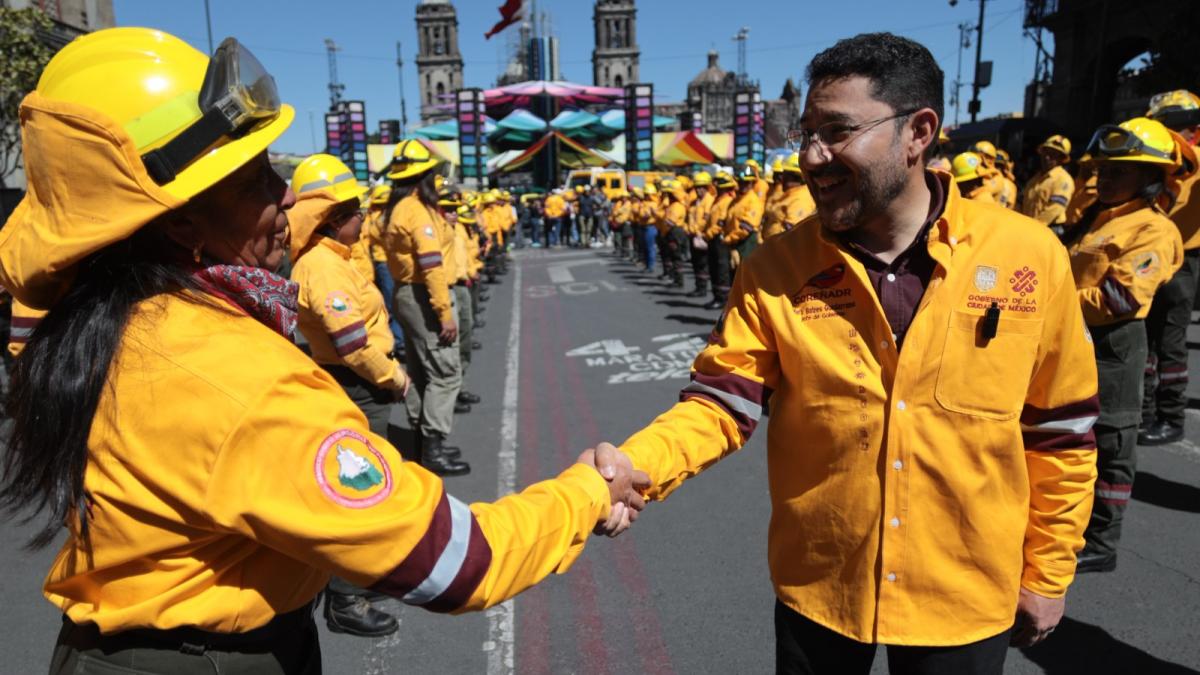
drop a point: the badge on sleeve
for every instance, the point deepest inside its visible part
(429, 231)
(351, 472)
(1146, 264)
(337, 302)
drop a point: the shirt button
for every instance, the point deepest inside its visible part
(953, 241)
(897, 465)
(901, 405)
(891, 277)
(883, 344)
(891, 576)
(894, 522)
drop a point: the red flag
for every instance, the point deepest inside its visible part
(510, 12)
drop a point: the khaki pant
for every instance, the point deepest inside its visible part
(435, 369)
(466, 327)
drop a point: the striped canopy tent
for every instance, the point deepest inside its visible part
(517, 130)
(689, 147)
(448, 131)
(571, 153)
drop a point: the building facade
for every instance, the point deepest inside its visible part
(439, 61)
(615, 58)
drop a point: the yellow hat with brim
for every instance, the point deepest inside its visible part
(410, 158)
(326, 172)
(310, 211)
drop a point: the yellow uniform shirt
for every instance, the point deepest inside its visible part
(360, 256)
(760, 188)
(462, 255)
(556, 206)
(674, 214)
(1126, 254)
(342, 313)
(1084, 197)
(418, 246)
(697, 221)
(1186, 211)
(1007, 196)
(373, 226)
(622, 212)
(716, 217)
(790, 208)
(24, 320)
(981, 193)
(229, 475)
(913, 492)
(744, 218)
(1046, 196)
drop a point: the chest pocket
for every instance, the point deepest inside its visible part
(987, 379)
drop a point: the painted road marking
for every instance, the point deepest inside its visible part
(501, 627)
(560, 273)
(671, 361)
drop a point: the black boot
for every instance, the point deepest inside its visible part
(461, 408)
(1160, 433)
(716, 303)
(479, 323)
(1094, 559)
(353, 614)
(467, 397)
(434, 458)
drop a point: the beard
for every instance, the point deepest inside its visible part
(878, 184)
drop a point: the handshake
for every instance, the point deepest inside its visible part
(626, 487)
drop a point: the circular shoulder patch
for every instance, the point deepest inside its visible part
(351, 472)
(337, 303)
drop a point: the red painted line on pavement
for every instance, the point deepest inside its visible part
(532, 608)
(647, 631)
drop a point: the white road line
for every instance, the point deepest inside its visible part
(501, 626)
(561, 273)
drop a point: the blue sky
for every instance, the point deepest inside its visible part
(288, 37)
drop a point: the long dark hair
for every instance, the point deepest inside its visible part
(58, 379)
(425, 187)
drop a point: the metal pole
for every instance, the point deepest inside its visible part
(978, 57)
(208, 22)
(963, 42)
(312, 131)
(403, 105)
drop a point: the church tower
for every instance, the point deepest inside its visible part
(439, 63)
(615, 58)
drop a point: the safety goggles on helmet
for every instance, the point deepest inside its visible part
(238, 95)
(1114, 141)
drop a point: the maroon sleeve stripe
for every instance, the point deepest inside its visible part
(421, 560)
(474, 568)
(1067, 427)
(429, 260)
(1117, 298)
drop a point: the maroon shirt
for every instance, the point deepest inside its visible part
(900, 285)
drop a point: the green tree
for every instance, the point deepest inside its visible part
(25, 55)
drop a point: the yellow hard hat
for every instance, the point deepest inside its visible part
(985, 149)
(438, 182)
(651, 189)
(505, 195)
(466, 215)
(747, 173)
(487, 198)
(1169, 101)
(791, 164)
(967, 166)
(151, 83)
(939, 163)
(638, 192)
(327, 172)
(1058, 142)
(410, 159)
(686, 181)
(380, 194)
(753, 164)
(702, 179)
(777, 164)
(725, 180)
(1140, 139)
(1003, 158)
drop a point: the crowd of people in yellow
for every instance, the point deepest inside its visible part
(160, 270)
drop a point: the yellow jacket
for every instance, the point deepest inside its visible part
(419, 246)
(224, 491)
(1125, 255)
(716, 217)
(555, 207)
(915, 492)
(790, 208)
(697, 220)
(1186, 212)
(744, 218)
(622, 212)
(1007, 195)
(761, 187)
(342, 313)
(1046, 196)
(1084, 197)
(463, 257)
(24, 320)
(982, 193)
(360, 257)
(673, 214)
(373, 227)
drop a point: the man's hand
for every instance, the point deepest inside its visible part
(400, 383)
(625, 486)
(448, 332)
(1037, 617)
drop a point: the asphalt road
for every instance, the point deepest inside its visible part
(580, 348)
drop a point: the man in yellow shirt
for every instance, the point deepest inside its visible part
(1047, 194)
(555, 212)
(744, 219)
(719, 266)
(931, 390)
(972, 176)
(794, 202)
(697, 222)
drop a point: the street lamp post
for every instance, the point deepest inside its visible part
(208, 22)
(974, 106)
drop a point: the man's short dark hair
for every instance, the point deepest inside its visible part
(903, 73)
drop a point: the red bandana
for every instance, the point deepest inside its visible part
(264, 295)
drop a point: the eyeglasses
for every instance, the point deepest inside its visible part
(833, 135)
(340, 218)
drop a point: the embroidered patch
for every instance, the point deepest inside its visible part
(337, 302)
(985, 278)
(351, 472)
(827, 278)
(1146, 264)
(1024, 281)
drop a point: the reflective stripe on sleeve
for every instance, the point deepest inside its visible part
(349, 339)
(428, 261)
(1059, 199)
(1113, 493)
(741, 398)
(22, 328)
(746, 226)
(1117, 298)
(1067, 427)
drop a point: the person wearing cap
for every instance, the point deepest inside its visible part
(1047, 194)
(466, 272)
(719, 263)
(760, 184)
(648, 217)
(794, 203)
(620, 217)
(931, 391)
(1085, 189)
(373, 226)
(342, 317)
(1007, 197)
(986, 150)
(675, 238)
(637, 226)
(420, 250)
(204, 476)
(1166, 382)
(941, 160)
(744, 219)
(1122, 250)
(697, 223)
(972, 177)
(556, 211)
(601, 214)
(775, 189)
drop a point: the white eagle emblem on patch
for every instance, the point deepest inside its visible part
(985, 278)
